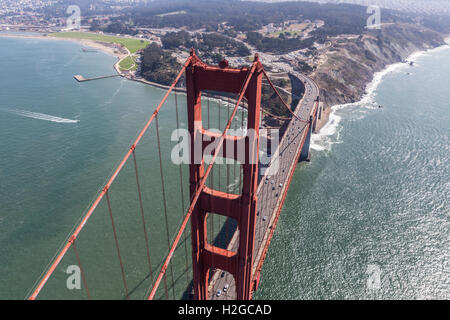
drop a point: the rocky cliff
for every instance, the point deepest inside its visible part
(350, 63)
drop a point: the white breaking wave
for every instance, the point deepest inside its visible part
(111, 99)
(39, 116)
(324, 139)
(413, 57)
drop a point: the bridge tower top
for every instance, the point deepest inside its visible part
(243, 207)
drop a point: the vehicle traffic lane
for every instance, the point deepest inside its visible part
(271, 190)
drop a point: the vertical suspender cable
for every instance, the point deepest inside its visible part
(281, 99)
(227, 219)
(165, 287)
(234, 162)
(141, 205)
(252, 178)
(164, 196)
(226, 162)
(200, 187)
(61, 253)
(117, 245)
(212, 188)
(182, 192)
(210, 215)
(240, 167)
(83, 276)
(218, 126)
(218, 188)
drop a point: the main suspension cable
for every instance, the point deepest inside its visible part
(95, 204)
(281, 99)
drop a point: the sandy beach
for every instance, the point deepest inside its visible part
(97, 45)
(109, 49)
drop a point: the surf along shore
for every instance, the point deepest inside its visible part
(116, 50)
(331, 120)
(120, 52)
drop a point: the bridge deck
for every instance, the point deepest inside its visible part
(272, 191)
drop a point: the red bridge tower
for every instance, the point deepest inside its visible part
(242, 207)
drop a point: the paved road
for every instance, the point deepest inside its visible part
(272, 189)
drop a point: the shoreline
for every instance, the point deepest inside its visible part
(330, 127)
(98, 45)
(85, 42)
(110, 51)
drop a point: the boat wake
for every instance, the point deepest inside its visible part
(39, 116)
(111, 99)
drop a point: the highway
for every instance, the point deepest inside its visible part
(271, 191)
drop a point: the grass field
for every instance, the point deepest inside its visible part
(293, 33)
(128, 63)
(131, 44)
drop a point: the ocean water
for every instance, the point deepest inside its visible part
(60, 141)
(372, 205)
(368, 218)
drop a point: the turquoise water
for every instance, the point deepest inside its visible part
(375, 194)
(55, 159)
(61, 140)
(374, 200)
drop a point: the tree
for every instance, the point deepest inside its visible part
(158, 65)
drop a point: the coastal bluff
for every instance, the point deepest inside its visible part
(349, 65)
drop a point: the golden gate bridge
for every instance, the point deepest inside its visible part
(224, 263)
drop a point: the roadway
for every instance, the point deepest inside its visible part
(272, 190)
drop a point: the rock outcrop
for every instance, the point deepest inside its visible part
(349, 64)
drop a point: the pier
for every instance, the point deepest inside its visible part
(80, 78)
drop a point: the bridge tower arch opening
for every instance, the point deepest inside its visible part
(241, 207)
